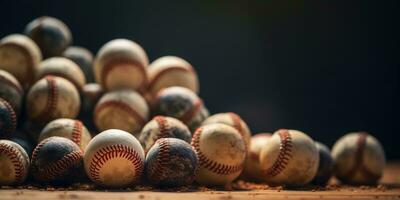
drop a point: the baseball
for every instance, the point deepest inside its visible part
(20, 56)
(325, 166)
(231, 119)
(122, 109)
(171, 162)
(163, 127)
(170, 71)
(14, 162)
(62, 67)
(252, 170)
(50, 34)
(121, 63)
(359, 158)
(56, 160)
(290, 157)
(11, 90)
(83, 58)
(51, 98)
(221, 151)
(8, 119)
(91, 93)
(181, 103)
(114, 158)
(68, 128)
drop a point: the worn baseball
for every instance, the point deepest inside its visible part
(11, 90)
(163, 127)
(325, 166)
(90, 95)
(114, 158)
(52, 97)
(20, 56)
(68, 128)
(14, 162)
(290, 157)
(56, 160)
(221, 151)
(359, 158)
(122, 109)
(50, 34)
(231, 119)
(83, 58)
(252, 170)
(121, 63)
(62, 67)
(171, 162)
(8, 119)
(181, 103)
(170, 71)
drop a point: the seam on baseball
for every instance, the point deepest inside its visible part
(188, 116)
(157, 171)
(284, 156)
(209, 164)
(163, 126)
(77, 132)
(12, 118)
(52, 98)
(103, 155)
(60, 166)
(159, 74)
(16, 160)
(62, 75)
(123, 106)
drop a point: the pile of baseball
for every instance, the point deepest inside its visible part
(118, 121)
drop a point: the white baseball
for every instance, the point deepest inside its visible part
(14, 162)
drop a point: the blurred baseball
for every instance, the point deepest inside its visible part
(122, 109)
(11, 90)
(51, 98)
(8, 119)
(114, 158)
(290, 157)
(325, 166)
(121, 63)
(20, 56)
(83, 58)
(14, 162)
(359, 158)
(221, 152)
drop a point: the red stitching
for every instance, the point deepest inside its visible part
(113, 151)
(210, 164)
(16, 159)
(122, 106)
(77, 132)
(117, 62)
(157, 171)
(162, 72)
(52, 98)
(13, 118)
(285, 154)
(62, 75)
(192, 112)
(8, 82)
(163, 125)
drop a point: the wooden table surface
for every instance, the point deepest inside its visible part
(388, 189)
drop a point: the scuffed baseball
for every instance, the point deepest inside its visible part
(114, 158)
(52, 97)
(20, 56)
(11, 90)
(57, 160)
(62, 67)
(231, 119)
(121, 63)
(68, 128)
(83, 58)
(163, 127)
(359, 158)
(325, 166)
(122, 109)
(290, 157)
(252, 170)
(181, 103)
(221, 151)
(50, 34)
(171, 162)
(14, 162)
(8, 119)
(170, 71)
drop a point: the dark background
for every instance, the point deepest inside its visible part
(326, 67)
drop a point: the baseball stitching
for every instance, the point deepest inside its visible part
(58, 167)
(284, 156)
(62, 75)
(210, 164)
(77, 132)
(122, 106)
(52, 98)
(159, 74)
(11, 84)
(103, 155)
(163, 126)
(12, 117)
(192, 112)
(157, 171)
(117, 62)
(16, 159)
